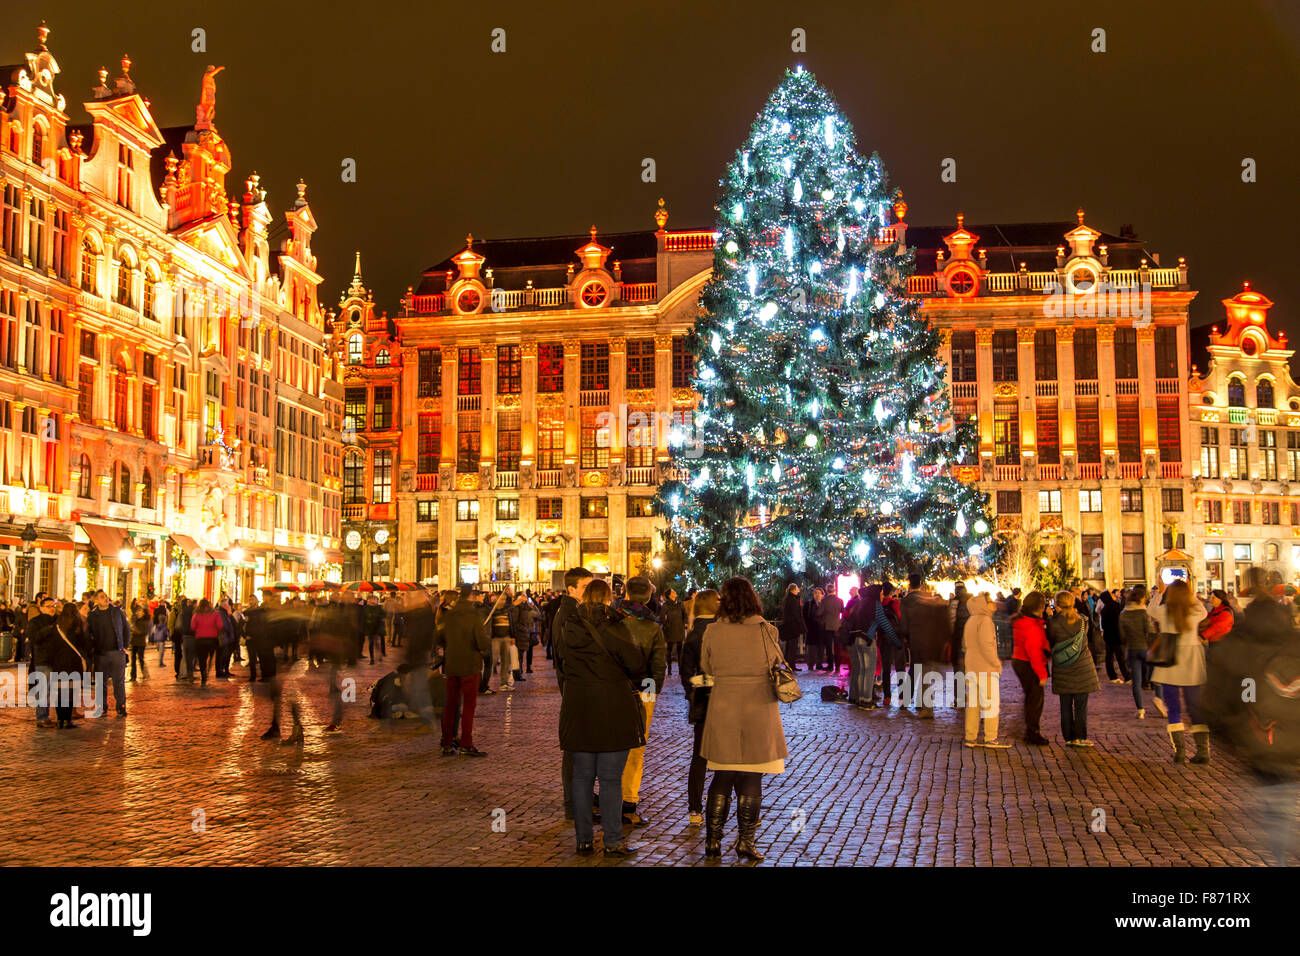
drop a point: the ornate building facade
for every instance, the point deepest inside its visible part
(529, 389)
(164, 373)
(1245, 461)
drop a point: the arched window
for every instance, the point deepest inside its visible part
(1237, 392)
(382, 358)
(146, 489)
(150, 294)
(85, 478)
(355, 351)
(124, 276)
(89, 258)
(38, 144)
(1264, 393)
(123, 490)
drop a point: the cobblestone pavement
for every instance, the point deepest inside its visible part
(185, 780)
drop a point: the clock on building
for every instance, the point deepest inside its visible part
(381, 536)
(353, 539)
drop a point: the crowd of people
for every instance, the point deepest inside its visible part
(611, 651)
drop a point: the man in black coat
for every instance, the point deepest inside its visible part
(463, 637)
(673, 618)
(41, 636)
(110, 637)
(575, 583)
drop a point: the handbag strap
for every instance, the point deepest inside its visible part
(81, 657)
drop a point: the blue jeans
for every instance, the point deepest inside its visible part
(42, 710)
(1141, 674)
(862, 672)
(1169, 692)
(587, 768)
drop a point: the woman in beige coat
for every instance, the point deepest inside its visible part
(983, 671)
(743, 738)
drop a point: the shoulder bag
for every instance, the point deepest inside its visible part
(784, 684)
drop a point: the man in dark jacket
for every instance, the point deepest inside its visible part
(575, 583)
(928, 630)
(673, 618)
(41, 635)
(1112, 606)
(110, 636)
(463, 637)
(697, 693)
(257, 637)
(647, 633)
(376, 623)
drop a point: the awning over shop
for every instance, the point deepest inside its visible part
(108, 541)
(46, 539)
(190, 547)
(223, 557)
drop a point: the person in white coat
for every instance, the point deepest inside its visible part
(983, 672)
(1175, 610)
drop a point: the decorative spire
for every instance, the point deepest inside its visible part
(358, 286)
(661, 215)
(1078, 214)
(900, 206)
(302, 195)
(124, 85)
(101, 91)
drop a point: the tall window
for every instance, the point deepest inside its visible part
(1126, 353)
(86, 393)
(146, 489)
(1293, 455)
(1268, 454)
(84, 478)
(1006, 433)
(1005, 367)
(1238, 461)
(89, 272)
(469, 375)
(1166, 351)
(62, 240)
(382, 479)
(550, 443)
(354, 480)
(595, 367)
(124, 274)
(641, 363)
(1128, 428)
(429, 373)
(1045, 355)
(125, 175)
(356, 350)
(38, 144)
(150, 298)
(429, 443)
(12, 231)
(32, 351)
(683, 363)
(58, 340)
(594, 451)
(550, 367)
(1237, 392)
(1048, 434)
(1008, 502)
(383, 409)
(1085, 353)
(469, 439)
(963, 357)
(121, 396)
(640, 438)
(509, 370)
(1134, 558)
(508, 437)
(1210, 452)
(1264, 393)
(354, 409)
(1169, 428)
(122, 492)
(36, 232)
(1089, 431)
(148, 411)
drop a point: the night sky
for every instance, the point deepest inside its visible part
(549, 136)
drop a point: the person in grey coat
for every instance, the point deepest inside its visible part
(927, 626)
(743, 737)
(1074, 671)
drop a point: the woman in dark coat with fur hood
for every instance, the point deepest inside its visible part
(601, 715)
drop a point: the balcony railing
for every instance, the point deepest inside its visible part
(594, 399)
(639, 291)
(354, 512)
(427, 482)
(697, 241)
(548, 478)
(1085, 386)
(1089, 471)
(1171, 469)
(1167, 386)
(965, 390)
(1130, 470)
(1045, 389)
(469, 403)
(1007, 473)
(427, 304)
(1000, 282)
(1126, 386)
(1049, 472)
(641, 475)
(507, 479)
(921, 285)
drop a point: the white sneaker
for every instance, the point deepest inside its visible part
(1118, 680)
(997, 743)
(1161, 709)
(1142, 713)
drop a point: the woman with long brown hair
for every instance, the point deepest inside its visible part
(1176, 611)
(743, 737)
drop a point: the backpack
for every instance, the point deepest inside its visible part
(832, 694)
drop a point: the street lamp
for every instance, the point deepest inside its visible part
(28, 539)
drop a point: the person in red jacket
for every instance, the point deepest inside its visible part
(208, 625)
(1220, 620)
(1029, 657)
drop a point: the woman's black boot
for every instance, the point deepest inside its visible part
(715, 821)
(747, 810)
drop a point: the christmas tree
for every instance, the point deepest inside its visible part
(824, 438)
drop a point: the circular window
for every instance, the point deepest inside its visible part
(593, 295)
(1083, 280)
(468, 301)
(1248, 345)
(962, 282)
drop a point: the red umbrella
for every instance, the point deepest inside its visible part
(367, 586)
(282, 587)
(317, 586)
